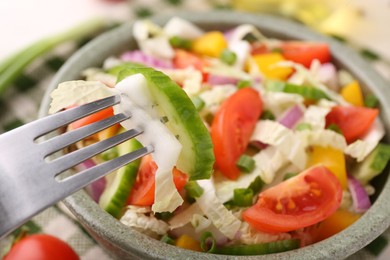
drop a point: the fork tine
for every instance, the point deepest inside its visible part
(72, 159)
(59, 142)
(55, 121)
(79, 180)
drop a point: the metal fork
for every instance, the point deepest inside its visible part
(28, 180)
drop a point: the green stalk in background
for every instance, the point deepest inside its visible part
(13, 66)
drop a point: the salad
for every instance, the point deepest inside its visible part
(260, 145)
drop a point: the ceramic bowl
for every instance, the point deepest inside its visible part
(124, 243)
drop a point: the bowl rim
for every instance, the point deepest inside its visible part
(367, 228)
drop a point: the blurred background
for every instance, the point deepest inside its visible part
(361, 24)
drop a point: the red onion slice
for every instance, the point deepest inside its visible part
(361, 201)
(291, 116)
(96, 188)
(141, 57)
(214, 79)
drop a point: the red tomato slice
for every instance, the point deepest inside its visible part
(353, 121)
(43, 247)
(298, 202)
(305, 52)
(184, 59)
(103, 114)
(232, 127)
(142, 193)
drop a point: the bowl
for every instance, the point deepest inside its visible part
(125, 243)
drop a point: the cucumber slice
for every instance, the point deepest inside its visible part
(197, 156)
(118, 189)
(373, 165)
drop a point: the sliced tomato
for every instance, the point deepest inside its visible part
(42, 247)
(102, 114)
(305, 52)
(232, 127)
(142, 193)
(353, 121)
(298, 202)
(184, 59)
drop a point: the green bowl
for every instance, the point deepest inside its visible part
(125, 243)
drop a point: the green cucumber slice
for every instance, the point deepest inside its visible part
(197, 156)
(373, 165)
(118, 189)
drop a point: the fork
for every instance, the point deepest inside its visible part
(29, 175)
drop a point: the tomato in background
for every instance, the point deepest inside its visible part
(41, 247)
(142, 193)
(102, 114)
(184, 59)
(298, 202)
(305, 52)
(353, 121)
(232, 128)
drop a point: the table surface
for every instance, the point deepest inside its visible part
(23, 22)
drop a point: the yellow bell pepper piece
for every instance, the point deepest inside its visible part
(352, 93)
(267, 65)
(337, 222)
(187, 242)
(210, 44)
(331, 158)
(108, 132)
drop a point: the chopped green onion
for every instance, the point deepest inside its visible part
(244, 84)
(228, 57)
(193, 189)
(198, 103)
(267, 115)
(256, 185)
(181, 43)
(289, 175)
(243, 197)
(371, 101)
(207, 242)
(246, 163)
(167, 239)
(335, 128)
(110, 154)
(307, 92)
(259, 249)
(303, 126)
(164, 215)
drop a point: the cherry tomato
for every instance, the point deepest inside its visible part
(103, 114)
(184, 59)
(298, 202)
(232, 127)
(305, 52)
(42, 247)
(142, 193)
(353, 121)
